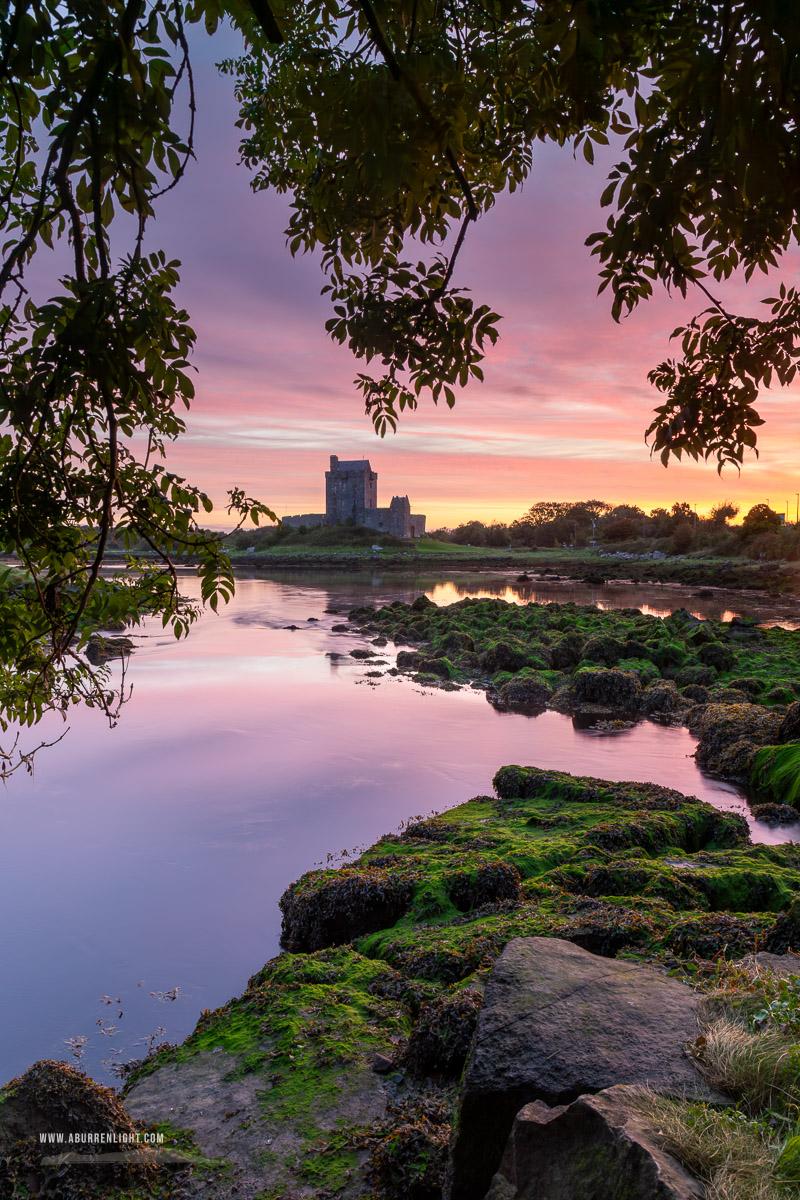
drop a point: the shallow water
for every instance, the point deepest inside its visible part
(152, 856)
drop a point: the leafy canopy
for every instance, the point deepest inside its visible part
(93, 379)
(394, 124)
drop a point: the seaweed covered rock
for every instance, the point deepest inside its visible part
(660, 697)
(53, 1097)
(717, 935)
(735, 762)
(503, 656)
(409, 660)
(566, 652)
(717, 655)
(604, 650)
(720, 726)
(789, 730)
(608, 688)
(696, 676)
(528, 689)
(776, 814)
(785, 933)
(327, 908)
(605, 929)
(441, 1037)
(483, 885)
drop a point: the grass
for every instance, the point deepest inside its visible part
(734, 1157)
(748, 1050)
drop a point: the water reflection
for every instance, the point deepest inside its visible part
(156, 852)
(657, 600)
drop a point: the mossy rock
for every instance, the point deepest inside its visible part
(565, 654)
(660, 697)
(790, 725)
(669, 654)
(54, 1097)
(717, 655)
(526, 690)
(776, 773)
(328, 908)
(608, 687)
(483, 885)
(503, 656)
(781, 694)
(696, 674)
(604, 650)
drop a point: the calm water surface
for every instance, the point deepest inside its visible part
(152, 856)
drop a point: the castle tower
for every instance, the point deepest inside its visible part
(351, 487)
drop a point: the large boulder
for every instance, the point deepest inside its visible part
(557, 1022)
(599, 1146)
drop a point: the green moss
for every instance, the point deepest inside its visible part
(776, 773)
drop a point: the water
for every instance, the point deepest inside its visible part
(152, 856)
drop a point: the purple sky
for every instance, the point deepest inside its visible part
(565, 401)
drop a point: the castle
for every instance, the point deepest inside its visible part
(351, 495)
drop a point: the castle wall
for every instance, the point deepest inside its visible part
(311, 520)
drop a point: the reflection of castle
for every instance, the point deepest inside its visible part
(351, 494)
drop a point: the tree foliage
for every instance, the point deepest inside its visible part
(395, 124)
(94, 378)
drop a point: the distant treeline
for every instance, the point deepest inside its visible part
(679, 530)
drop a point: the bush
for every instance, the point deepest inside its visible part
(682, 540)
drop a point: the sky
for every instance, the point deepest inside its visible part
(565, 402)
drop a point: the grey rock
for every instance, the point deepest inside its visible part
(599, 1147)
(557, 1022)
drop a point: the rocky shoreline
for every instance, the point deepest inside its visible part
(734, 684)
(372, 1057)
(336, 1073)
